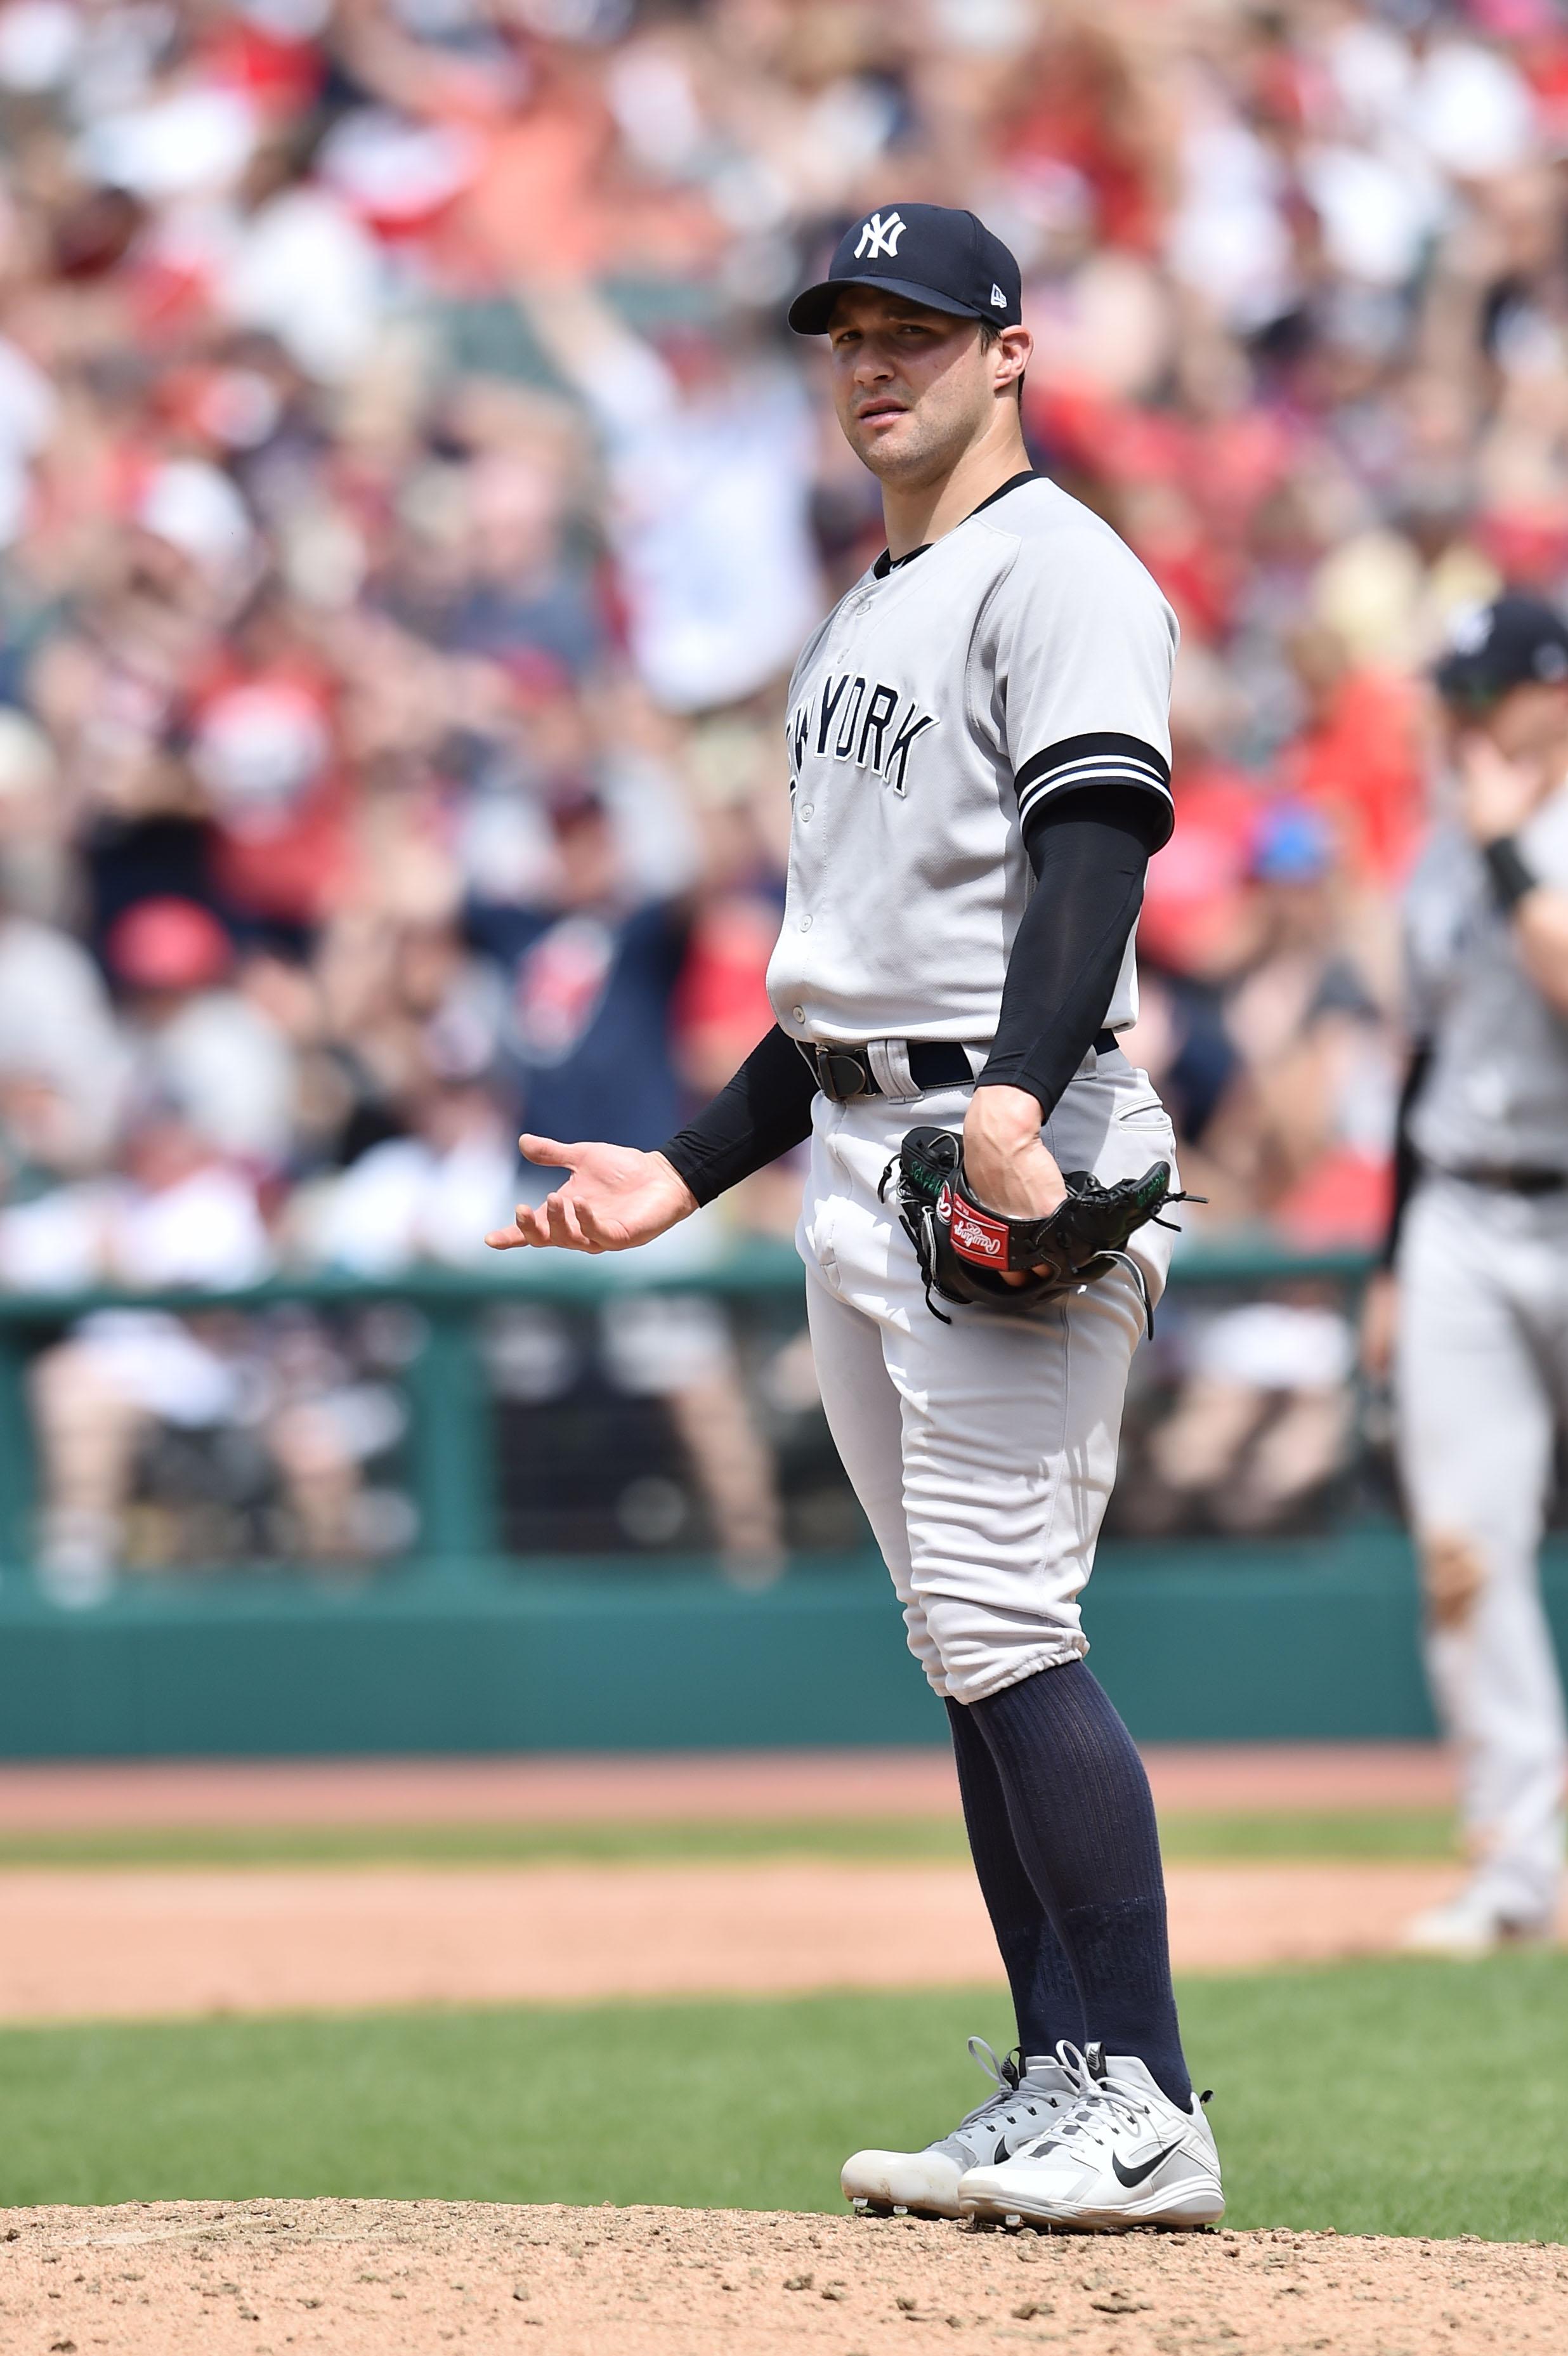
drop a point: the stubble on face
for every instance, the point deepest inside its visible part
(910, 385)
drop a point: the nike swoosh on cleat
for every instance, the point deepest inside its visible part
(1131, 2175)
(1000, 2153)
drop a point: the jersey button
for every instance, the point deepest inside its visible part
(806, 924)
(808, 809)
(798, 1013)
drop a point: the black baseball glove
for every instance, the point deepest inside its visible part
(964, 1249)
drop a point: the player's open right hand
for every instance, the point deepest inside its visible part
(614, 1198)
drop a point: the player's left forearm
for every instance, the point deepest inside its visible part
(1068, 950)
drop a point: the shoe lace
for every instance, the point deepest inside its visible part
(1005, 2073)
(1099, 2110)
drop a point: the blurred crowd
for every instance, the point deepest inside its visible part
(410, 505)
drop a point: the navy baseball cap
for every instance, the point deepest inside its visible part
(929, 253)
(1514, 642)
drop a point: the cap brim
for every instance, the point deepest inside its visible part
(810, 312)
(1460, 680)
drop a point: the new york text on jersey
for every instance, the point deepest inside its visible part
(847, 720)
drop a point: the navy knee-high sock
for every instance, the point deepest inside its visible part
(1045, 1994)
(1082, 1819)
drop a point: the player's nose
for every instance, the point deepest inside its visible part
(872, 366)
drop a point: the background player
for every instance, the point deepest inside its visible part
(980, 767)
(1477, 1300)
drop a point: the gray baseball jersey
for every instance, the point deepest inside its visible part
(1496, 1091)
(1024, 653)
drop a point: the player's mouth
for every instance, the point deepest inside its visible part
(879, 411)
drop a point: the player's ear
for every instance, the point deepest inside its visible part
(1011, 356)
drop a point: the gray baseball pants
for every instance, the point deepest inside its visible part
(983, 1452)
(1481, 1385)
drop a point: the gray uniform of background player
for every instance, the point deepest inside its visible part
(1481, 1368)
(1025, 652)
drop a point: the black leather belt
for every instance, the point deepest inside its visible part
(844, 1073)
(1514, 1181)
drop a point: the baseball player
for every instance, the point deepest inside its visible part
(1475, 1304)
(979, 767)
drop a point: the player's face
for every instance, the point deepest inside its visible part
(913, 388)
(1529, 725)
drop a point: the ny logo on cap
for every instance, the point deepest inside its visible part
(880, 236)
(1469, 629)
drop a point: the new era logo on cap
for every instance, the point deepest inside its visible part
(930, 254)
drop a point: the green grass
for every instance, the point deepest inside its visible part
(916, 1838)
(1381, 2097)
(1341, 1833)
(1414, 1832)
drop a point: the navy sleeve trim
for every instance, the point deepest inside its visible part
(1099, 758)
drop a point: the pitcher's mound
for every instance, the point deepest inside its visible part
(402, 2278)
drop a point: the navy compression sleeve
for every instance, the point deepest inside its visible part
(1406, 1161)
(757, 1116)
(1090, 854)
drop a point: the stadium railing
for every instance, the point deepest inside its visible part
(451, 1439)
(486, 1628)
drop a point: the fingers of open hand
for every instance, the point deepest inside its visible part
(560, 1220)
(564, 1227)
(528, 1228)
(596, 1236)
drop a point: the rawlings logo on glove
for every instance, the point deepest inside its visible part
(965, 1251)
(976, 1236)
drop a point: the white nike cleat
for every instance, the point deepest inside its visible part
(1123, 2155)
(1470, 1924)
(1028, 2095)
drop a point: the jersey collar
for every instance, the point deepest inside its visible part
(886, 564)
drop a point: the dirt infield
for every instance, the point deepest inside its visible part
(728, 1787)
(132, 1944)
(141, 1941)
(396, 2278)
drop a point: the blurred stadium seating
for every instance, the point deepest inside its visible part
(593, 1505)
(409, 506)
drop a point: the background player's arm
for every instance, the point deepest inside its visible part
(1499, 796)
(1379, 1301)
(1540, 926)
